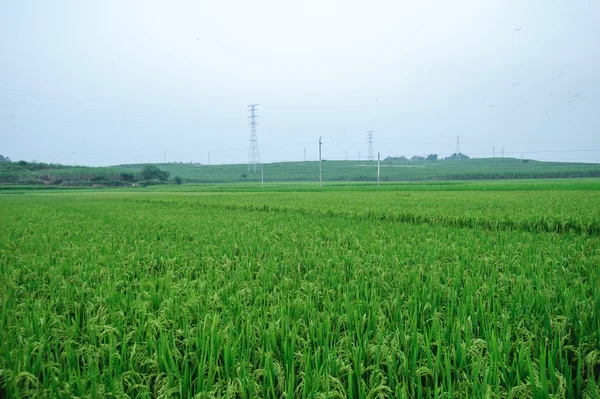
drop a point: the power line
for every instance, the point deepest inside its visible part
(64, 97)
(173, 155)
(115, 121)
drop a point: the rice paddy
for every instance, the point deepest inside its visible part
(346, 294)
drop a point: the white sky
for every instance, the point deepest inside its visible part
(109, 82)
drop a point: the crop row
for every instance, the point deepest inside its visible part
(574, 212)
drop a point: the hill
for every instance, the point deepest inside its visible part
(461, 169)
(395, 170)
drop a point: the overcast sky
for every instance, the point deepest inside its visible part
(110, 82)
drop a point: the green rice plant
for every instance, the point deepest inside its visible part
(335, 294)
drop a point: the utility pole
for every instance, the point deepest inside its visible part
(370, 141)
(209, 157)
(165, 157)
(502, 152)
(378, 169)
(346, 154)
(457, 144)
(253, 156)
(320, 165)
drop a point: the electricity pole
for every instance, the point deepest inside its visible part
(320, 165)
(378, 169)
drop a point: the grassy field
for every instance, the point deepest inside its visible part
(414, 290)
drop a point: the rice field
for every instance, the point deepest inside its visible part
(334, 294)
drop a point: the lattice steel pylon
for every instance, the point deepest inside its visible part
(253, 155)
(370, 141)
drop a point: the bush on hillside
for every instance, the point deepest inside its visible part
(151, 172)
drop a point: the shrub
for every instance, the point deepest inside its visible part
(151, 172)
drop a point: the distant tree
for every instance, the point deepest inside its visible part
(459, 155)
(432, 157)
(417, 158)
(244, 175)
(177, 180)
(127, 176)
(151, 172)
(400, 158)
(4, 159)
(98, 177)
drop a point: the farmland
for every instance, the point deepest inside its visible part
(411, 291)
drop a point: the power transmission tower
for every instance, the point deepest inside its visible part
(253, 156)
(370, 141)
(305, 154)
(457, 144)
(209, 157)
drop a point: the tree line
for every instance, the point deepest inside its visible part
(430, 157)
(37, 173)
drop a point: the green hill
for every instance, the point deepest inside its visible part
(465, 169)
(396, 170)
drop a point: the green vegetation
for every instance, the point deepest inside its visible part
(35, 173)
(391, 170)
(455, 167)
(151, 172)
(418, 290)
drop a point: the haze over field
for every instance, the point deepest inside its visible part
(111, 82)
